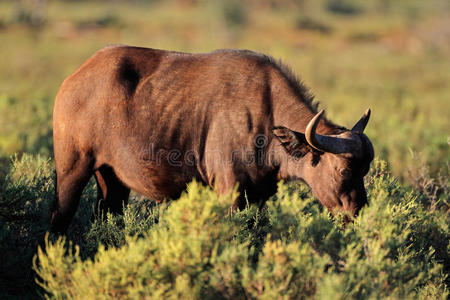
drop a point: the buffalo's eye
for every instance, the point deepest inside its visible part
(345, 173)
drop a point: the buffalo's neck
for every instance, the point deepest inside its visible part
(294, 110)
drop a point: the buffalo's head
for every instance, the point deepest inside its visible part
(332, 165)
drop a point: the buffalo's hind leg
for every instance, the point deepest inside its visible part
(71, 179)
(112, 194)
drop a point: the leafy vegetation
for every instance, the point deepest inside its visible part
(389, 55)
(195, 248)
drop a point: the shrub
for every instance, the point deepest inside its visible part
(102, 21)
(344, 7)
(31, 13)
(195, 248)
(235, 13)
(172, 260)
(308, 23)
(25, 196)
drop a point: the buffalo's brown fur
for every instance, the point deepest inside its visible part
(127, 112)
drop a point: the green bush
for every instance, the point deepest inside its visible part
(308, 23)
(196, 248)
(105, 20)
(26, 193)
(344, 7)
(25, 196)
(234, 13)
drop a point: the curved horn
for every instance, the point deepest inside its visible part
(322, 142)
(361, 124)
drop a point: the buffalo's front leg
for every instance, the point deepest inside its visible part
(224, 183)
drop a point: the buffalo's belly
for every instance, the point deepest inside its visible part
(157, 180)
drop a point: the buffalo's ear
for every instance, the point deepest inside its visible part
(294, 142)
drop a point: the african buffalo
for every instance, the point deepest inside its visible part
(153, 120)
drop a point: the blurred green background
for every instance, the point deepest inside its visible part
(391, 56)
